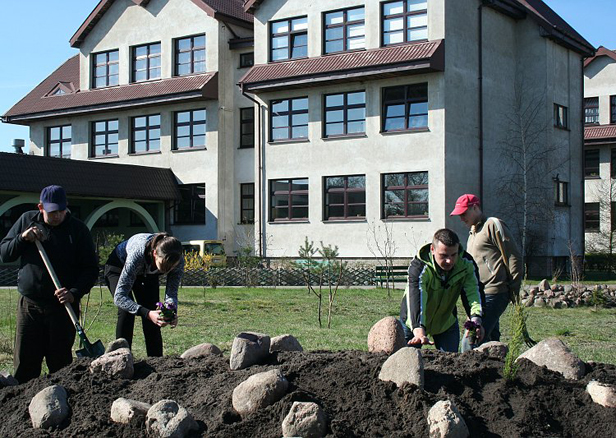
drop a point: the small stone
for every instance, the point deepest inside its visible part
(258, 391)
(386, 336)
(306, 420)
(544, 285)
(539, 302)
(167, 419)
(602, 394)
(118, 363)
(128, 411)
(249, 349)
(201, 350)
(116, 345)
(556, 356)
(285, 343)
(404, 366)
(567, 288)
(494, 349)
(445, 421)
(49, 408)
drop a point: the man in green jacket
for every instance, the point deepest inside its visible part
(441, 273)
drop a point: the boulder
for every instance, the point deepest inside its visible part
(258, 391)
(445, 421)
(602, 394)
(118, 363)
(49, 407)
(305, 419)
(249, 349)
(544, 285)
(539, 302)
(285, 343)
(556, 356)
(167, 419)
(128, 411)
(404, 366)
(494, 349)
(116, 345)
(386, 336)
(201, 350)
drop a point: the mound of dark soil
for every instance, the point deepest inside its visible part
(539, 403)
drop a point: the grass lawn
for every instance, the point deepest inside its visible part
(218, 315)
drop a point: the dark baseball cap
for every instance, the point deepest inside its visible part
(53, 198)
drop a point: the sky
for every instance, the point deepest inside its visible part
(34, 41)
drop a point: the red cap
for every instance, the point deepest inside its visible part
(463, 203)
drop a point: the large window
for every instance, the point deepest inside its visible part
(190, 55)
(345, 114)
(247, 203)
(289, 199)
(404, 21)
(289, 119)
(591, 217)
(612, 109)
(146, 62)
(289, 39)
(59, 141)
(191, 209)
(247, 128)
(105, 69)
(591, 163)
(345, 30)
(189, 130)
(146, 134)
(405, 195)
(405, 108)
(561, 116)
(591, 111)
(345, 197)
(104, 138)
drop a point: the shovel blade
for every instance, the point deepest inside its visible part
(91, 350)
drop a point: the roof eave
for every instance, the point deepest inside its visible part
(559, 37)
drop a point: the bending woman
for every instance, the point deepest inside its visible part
(132, 272)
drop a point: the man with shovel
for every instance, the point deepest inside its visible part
(44, 328)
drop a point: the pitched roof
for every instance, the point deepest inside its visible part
(223, 10)
(386, 61)
(601, 51)
(30, 173)
(600, 133)
(39, 104)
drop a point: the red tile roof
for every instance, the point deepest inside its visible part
(223, 10)
(601, 51)
(600, 133)
(38, 104)
(423, 56)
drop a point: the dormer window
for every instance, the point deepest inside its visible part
(190, 55)
(61, 89)
(289, 39)
(105, 69)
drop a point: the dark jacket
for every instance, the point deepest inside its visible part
(71, 252)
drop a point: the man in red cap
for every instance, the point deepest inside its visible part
(500, 263)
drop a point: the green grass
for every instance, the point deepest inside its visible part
(218, 315)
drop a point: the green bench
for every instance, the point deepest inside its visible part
(397, 274)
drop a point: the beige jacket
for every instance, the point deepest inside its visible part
(482, 245)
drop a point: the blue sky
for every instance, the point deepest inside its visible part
(34, 39)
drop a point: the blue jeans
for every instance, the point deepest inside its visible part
(495, 306)
(446, 341)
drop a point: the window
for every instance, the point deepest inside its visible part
(345, 114)
(105, 69)
(612, 109)
(247, 203)
(289, 39)
(561, 116)
(561, 192)
(404, 21)
(191, 209)
(591, 163)
(345, 30)
(105, 138)
(189, 129)
(405, 195)
(289, 199)
(247, 128)
(190, 55)
(345, 197)
(59, 141)
(591, 217)
(146, 134)
(146, 62)
(591, 111)
(110, 218)
(613, 163)
(247, 59)
(289, 119)
(613, 215)
(405, 108)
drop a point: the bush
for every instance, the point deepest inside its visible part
(106, 242)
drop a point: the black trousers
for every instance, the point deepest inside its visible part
(44, 330)
(145, 293)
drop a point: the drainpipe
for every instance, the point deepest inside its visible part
(480, 109)
(259, 189)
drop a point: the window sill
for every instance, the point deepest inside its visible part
(563, 128)
(592, 231)
(363, 49)
(344, 137)
(592, 177)
(345, 221)
(241, 148)
(290, 141)
(405, 131)
(245, 223)
(136, 154)
(561, 205)
(176, 151)
(404, 43)
(278, 61)
(290, 221)
(407, 219)
(104, 157)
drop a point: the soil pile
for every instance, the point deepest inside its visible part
(538, 403)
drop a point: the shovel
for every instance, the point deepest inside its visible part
(89, 350)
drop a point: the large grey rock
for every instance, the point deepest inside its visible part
(167, 419)
(285, 343)
(49, 407)
(201, 350)
(445, 421)
(116, 345)
(305, 419)
(556, 356)
(405, 365)
(258, 391)
(127, 411)
(494, 348)
(249, 349)
(118, 363)
(386, 336)
(602, 394)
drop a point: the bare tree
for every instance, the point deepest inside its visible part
(381, 244)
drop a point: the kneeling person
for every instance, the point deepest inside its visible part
(440, 274)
